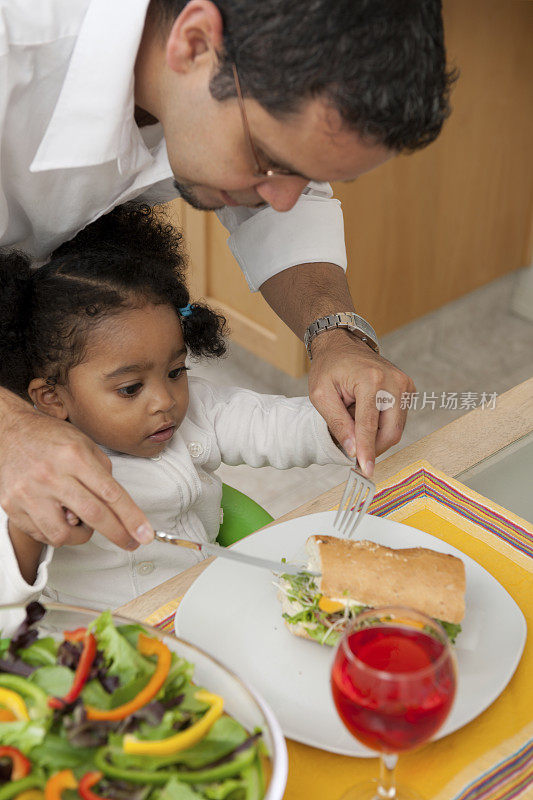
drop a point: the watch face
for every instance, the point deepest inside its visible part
(363, 326)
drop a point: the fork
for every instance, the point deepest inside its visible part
(357, 496)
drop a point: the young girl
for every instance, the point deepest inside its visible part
(98, 337)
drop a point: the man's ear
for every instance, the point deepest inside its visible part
(47, 398)
(197, 30)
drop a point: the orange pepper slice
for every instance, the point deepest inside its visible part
(58, 782)
(147, 646)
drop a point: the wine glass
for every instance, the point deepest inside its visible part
(393, 682)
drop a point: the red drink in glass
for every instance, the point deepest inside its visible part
(393, 686)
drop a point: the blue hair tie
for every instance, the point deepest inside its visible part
(186, 311)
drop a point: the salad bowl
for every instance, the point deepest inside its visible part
(57, 629)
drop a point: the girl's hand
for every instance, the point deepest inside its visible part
(47, 466)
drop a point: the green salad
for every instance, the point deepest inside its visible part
(112, 712)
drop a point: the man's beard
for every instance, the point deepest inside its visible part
(187, 194)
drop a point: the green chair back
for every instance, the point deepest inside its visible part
(242, 516)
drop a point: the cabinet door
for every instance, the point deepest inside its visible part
(215, 276)
(426, 228)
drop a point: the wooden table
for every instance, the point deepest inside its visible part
(453, 449)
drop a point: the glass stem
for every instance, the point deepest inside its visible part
(387, 786)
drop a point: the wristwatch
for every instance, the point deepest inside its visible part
(345, 319)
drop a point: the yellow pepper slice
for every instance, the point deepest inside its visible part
(410, 623)
(183, 739)
(30, 794)
(329, 606)
(14, 703)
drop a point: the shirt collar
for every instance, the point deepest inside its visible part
(93, 122)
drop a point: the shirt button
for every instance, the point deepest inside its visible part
(195, 449)
(145, 568)
(205, 478)
(156, 458)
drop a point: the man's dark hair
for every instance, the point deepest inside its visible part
(380, 63)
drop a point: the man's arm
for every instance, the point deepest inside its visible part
(48, 466)
(344, 370)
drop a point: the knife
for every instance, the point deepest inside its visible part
(232, 555)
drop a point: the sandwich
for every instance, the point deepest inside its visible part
(358, 575)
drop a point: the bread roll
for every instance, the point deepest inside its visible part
(373, 575)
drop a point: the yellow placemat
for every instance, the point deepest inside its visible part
(491, 758)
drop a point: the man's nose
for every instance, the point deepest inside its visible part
(281, 193)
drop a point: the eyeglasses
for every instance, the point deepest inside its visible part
(259, 171)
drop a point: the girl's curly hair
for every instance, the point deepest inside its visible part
(126, 259)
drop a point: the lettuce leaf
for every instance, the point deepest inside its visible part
(319, 633)
(94, 694)
(175, 790)
(41, 653)
(56, 753)
(231, 789)
(22, 734)
(55, 680)
(178, 679)
(452, 630)
(121, 657)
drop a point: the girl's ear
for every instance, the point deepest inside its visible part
(47, 399)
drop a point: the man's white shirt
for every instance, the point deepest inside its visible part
(71, 150)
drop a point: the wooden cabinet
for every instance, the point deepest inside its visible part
(426, 228)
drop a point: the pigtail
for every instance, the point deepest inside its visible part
(15, 312)
(204, 331)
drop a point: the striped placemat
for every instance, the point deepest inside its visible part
(426, 484)
(505, 778)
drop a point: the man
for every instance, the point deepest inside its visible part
(260, 103)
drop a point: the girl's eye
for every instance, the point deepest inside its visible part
(176, 373)
(130, 391)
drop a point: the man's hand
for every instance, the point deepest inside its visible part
(345, 371)
(47, 466)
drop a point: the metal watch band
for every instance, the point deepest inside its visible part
(345, 319)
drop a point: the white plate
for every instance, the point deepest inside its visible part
(232, 611)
